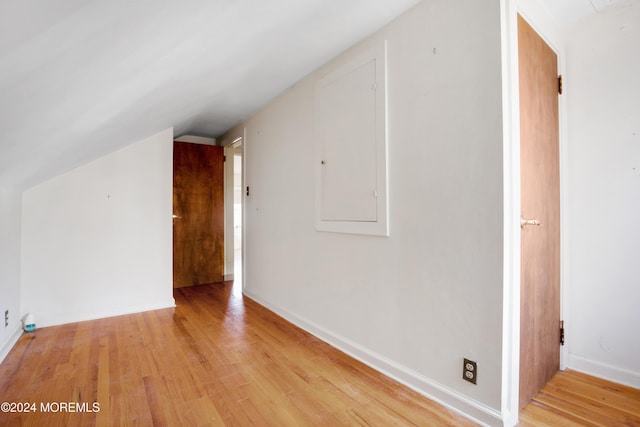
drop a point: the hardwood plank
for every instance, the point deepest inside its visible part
(103, 379)
(224, 360)
(216, 359)
(537, 415)
(574, 398)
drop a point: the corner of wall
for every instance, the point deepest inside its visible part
(10, 259)
(96, 241)
(511, 189)
(9, 343)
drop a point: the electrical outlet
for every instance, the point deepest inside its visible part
(470, 371)
(6, 318)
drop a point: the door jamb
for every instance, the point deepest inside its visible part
(229, 150)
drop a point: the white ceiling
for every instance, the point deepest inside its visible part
(81, 78)
(570, 11)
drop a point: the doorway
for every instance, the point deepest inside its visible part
(237, 217)
(540, 208)
(234, 214)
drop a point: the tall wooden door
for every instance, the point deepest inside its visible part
(540, 204)
(198, 214)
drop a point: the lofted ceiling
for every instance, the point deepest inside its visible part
(567, 12)
(82, 78)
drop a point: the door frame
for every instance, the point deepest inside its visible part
(544, 25)
(230, 149)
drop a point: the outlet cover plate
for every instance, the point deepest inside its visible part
(470, 371)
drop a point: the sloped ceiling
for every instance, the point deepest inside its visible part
(567, 12)
(81, 78)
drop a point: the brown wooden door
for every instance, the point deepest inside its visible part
(540, 186)
(198, 209)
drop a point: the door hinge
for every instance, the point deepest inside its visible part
(562, 332)
(247, 191)
(560, 84)
(224, 158)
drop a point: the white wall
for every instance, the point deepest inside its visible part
(97, 241)
(10, 219)
(603, 92)
(416, 303)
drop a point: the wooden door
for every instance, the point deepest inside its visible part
(198, 209)
(540, 186)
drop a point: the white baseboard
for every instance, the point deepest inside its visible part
(228, 277)
(54, 319)
(6, 348)
(453, 400)
(603, 370)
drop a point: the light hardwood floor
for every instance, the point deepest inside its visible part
(216, 359)
(575, 399)
(220, 359)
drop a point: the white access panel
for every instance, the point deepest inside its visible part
(351, 135)
(347, 108)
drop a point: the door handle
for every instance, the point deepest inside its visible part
(525, 222)
(176, 216)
